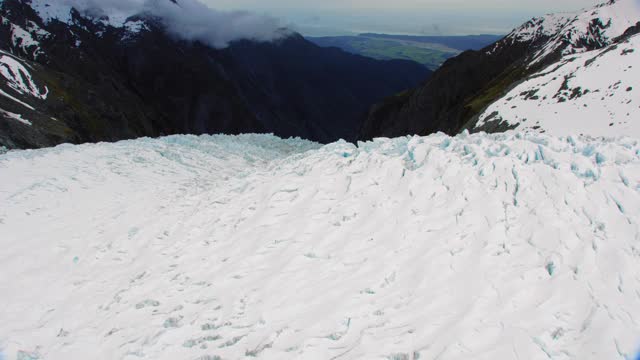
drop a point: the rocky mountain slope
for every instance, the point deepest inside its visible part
(74, 77)
(592, 93)
(459, 94)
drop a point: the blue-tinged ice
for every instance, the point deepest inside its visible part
(23, 355)
(588, 150)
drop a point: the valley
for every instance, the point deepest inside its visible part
(430, 51)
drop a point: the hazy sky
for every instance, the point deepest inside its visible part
(519, 5)
(430, 17)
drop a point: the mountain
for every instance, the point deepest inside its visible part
(430, 51)
(476, 90)
(71, 76)
(505, 246)
(592, 93)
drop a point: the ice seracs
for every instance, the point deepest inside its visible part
(478, 247)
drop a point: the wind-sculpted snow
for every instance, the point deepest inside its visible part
(511, 246)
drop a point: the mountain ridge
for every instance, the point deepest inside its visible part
(465, 86)
(109, 83)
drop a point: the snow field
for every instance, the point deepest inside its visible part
(510, 246)
(593, 93)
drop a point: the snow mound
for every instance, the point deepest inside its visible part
(593, 93)
(218, 247)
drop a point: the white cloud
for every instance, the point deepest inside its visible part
(191, 19)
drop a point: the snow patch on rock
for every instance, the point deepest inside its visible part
(49, 10)
(19, 78)
(16, 117)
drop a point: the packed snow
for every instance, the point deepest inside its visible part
(509, 246)
(593, 93)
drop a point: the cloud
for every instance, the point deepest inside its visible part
(106, 6)
(191, 19)
(195, 21)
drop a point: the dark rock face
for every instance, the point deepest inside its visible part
(296, 88)
(107, 84)
(454, 93)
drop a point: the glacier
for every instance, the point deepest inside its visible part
(505, 246)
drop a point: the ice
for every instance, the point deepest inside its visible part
(506, 246)
(24, 355)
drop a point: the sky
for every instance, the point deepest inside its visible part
(218, 22)
(427, 17)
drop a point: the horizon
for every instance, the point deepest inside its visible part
(426, 17)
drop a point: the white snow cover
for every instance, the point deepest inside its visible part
(571, 28)
(593, 93)
(19, 78)
(134, 27)
(52, 9)
(510, 246)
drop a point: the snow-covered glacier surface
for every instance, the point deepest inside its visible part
(511, 246)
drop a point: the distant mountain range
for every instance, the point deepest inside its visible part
(66, 76)
(568, 73)
(431, 51)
